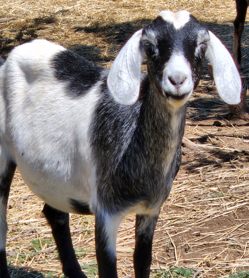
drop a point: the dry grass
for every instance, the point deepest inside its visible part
(204, 225)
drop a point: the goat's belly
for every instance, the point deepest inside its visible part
(69, 195)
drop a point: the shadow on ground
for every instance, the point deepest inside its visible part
(215, 159)
(25, 33)
(24, 273)
(114, 35)
(201, 109)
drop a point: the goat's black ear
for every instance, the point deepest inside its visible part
(226, 75)
(125, 75)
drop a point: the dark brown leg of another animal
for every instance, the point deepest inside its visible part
(241, 8)
(59, 222)
(145, 226)
(238, 111)
(5, 182)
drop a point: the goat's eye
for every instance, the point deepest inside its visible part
(201, 48)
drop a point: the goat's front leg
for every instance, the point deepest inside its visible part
(7, 170)
(106, 227)
(145, 226)
(59, 222)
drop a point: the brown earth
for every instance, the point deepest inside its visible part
(204, 225)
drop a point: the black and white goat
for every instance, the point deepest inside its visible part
(108, 143)
(241, 9)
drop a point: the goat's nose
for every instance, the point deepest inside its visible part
(177, 79)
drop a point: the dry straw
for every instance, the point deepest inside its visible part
(205, 223)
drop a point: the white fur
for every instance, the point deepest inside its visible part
(112, 223)
(3, 224)
(226, 75)
(125, 74)
(178, 19)
(49, 131)
(62, 153)
(177, 65)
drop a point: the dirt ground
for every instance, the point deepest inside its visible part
(204, 225)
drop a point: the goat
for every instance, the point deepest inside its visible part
(92, 141)
(241, 9)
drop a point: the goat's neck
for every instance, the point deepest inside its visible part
(161, 126)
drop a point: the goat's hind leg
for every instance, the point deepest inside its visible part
(59, 222)
(7, 170)
(145, 226)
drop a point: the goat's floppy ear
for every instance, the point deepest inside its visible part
(226, 75)
(125, 74)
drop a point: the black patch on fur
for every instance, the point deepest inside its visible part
(80, 73)
(80, 207)
(6, 179)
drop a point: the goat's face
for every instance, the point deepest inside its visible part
(174, 46)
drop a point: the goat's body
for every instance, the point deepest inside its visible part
(48, 158)
(53, 140)
(55, 147)
(108, 143)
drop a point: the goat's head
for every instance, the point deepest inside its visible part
(173, 45)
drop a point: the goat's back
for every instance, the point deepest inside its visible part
(45, 129)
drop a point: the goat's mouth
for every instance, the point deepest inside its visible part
(176, 97)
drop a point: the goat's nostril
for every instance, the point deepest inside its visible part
(177, 80)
